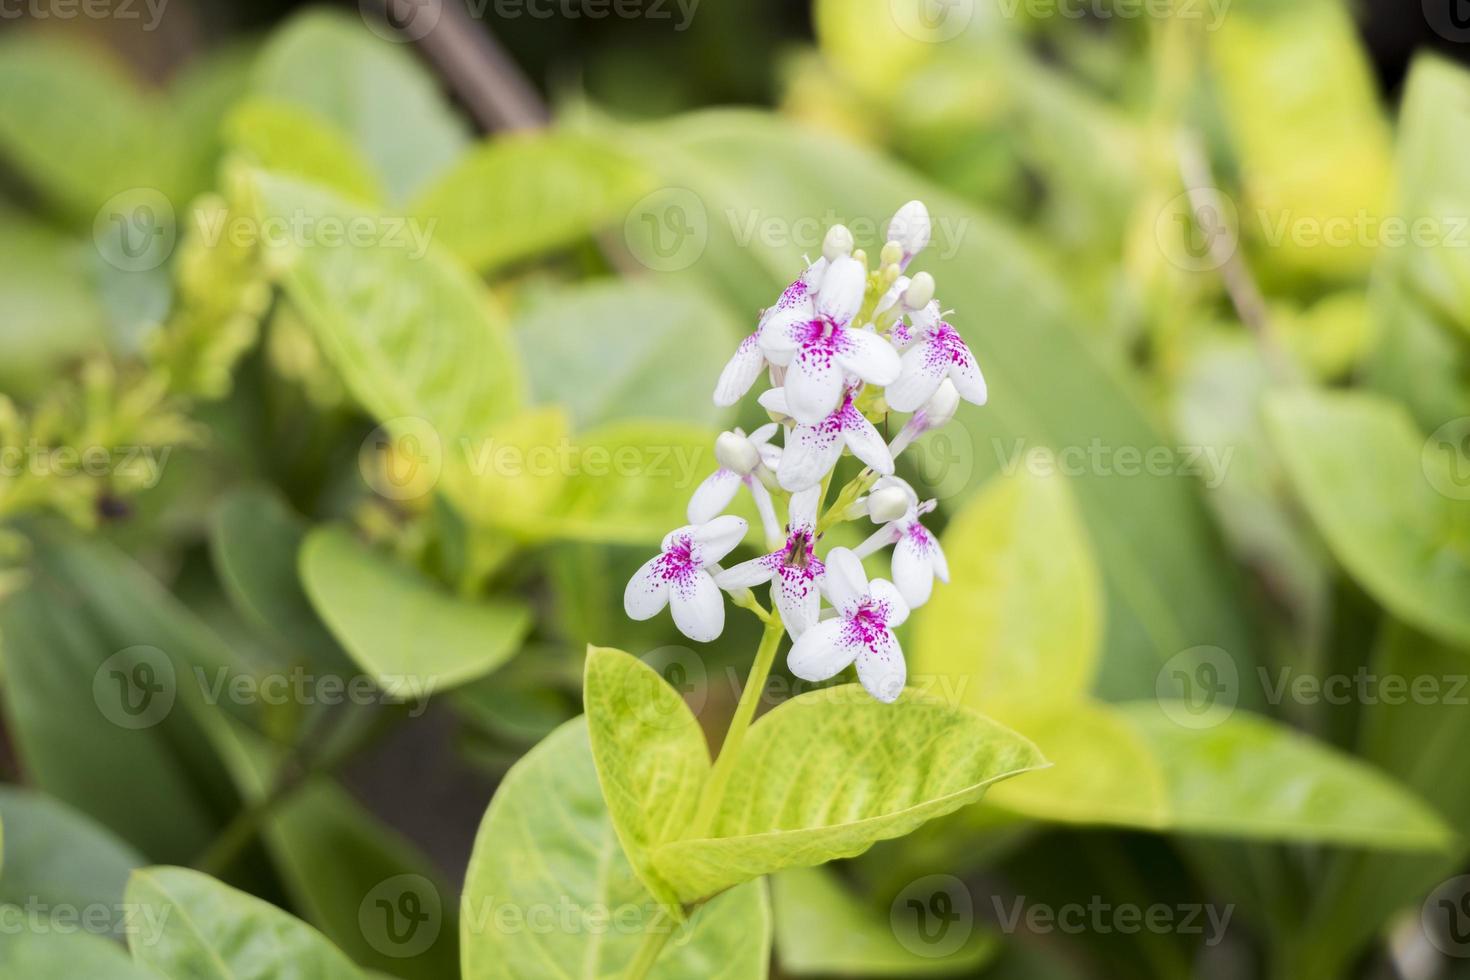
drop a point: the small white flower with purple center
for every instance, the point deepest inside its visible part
(813, 450)
(681, 576)
(743, 368)
(820, 349)
(794, 570)
(938, 352)
(742, 460)
(918, 558)
(861, 632)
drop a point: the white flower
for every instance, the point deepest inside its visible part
(794, 571)
(741, 460)
(812, 451)
(742, 369)
(861, 632)
(681, 577)
(814, 341)
(917, 557)
(938, 352)
(910, 228)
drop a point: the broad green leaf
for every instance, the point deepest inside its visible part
(369, 891)
(822, 929)
(254, 540)
(213, 932)
(1313, 145)
(102, 685)
(412, 636)
(1102, 771)
(1249, 777)
(615, 350)
(292, 140)
(830, 773)
(60, 858)
(412, 333)
(1021, 619)
(43, 954)
(376, 92)
(1377, 492)
(517, 196)
(547, 853)
(1049, 387)
(652, 760)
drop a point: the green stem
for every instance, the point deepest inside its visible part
(653, 944)
(755, 685)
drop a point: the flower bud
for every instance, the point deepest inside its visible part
(920, 292)
(941, 406)
(837, 243)
(736, 453)
(910, 228)
(892, 254)
(887, 504)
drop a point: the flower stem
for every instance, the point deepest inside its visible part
(755, 685)
(652, 945)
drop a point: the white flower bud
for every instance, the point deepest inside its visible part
(887, 504)
(837, 243)
(910, 228)
(736, 453)
(920, 292)
(892, 254)
(942, 405)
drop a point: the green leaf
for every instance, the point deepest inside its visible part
(53, 953)
(210, 931)
(1378, 494)
(830, 773)
(1049, 387)
(823, 930)
(1246, 776)
(289, 139)
(547, 851)
(59, 857)
(101, 694)
(517, 196)
(1021, 619)
(374, 91)
(413, 335)
(652, 760)
(615, 349)
(413, 637)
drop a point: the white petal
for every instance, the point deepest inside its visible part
(885, 303)
(802, 511)
(964, 371)
(843, 285)
(774, 401)
(869, 356)
(770, 456)
(846, 584)
(820, 653)
(913, 566)
(810, 454)
(647, 592)
(687, 531)
(923, 368)
(740, 372)
(799, 599)
(813, 384)
(881, 669)
(749, 573)
(910, 227)
(780, 333)
(718, 538)
(895, 608)
(698, 606)
(814, 272)
(765, 507)
(713, 495)
(764, 434)
(864, 440)
(927, 318)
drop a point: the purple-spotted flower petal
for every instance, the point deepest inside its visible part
(795, 303)
(937, 354)
(794, 571)
(862, 632)
(680, 576)
(917, 557)
(813, 450)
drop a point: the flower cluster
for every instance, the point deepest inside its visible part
(843, 346)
